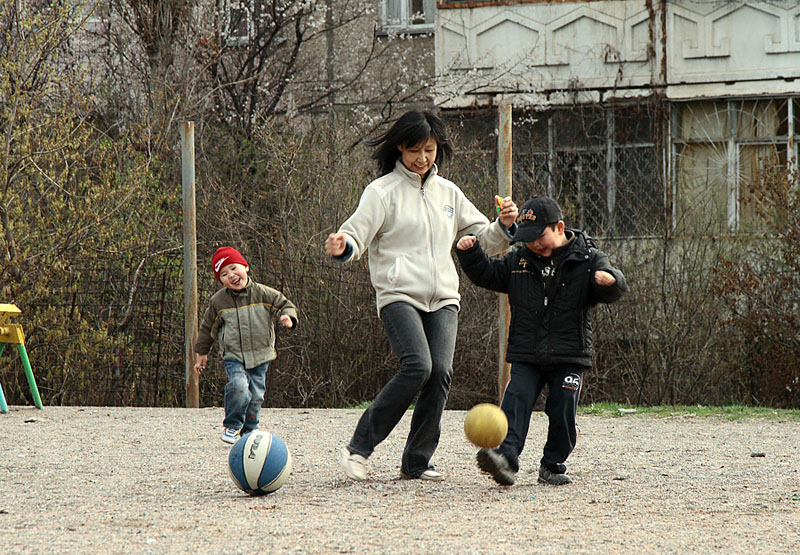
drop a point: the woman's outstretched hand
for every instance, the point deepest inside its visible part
(335, 244)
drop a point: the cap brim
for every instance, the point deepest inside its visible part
(528, 233)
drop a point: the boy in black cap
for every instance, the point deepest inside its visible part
(552, 283)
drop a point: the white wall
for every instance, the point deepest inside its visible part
(733, 48)
(529, 53)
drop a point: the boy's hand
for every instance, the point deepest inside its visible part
(604, 278)
(508, 212)
(335, 244)
(286, 321)
(200, 365)
(466, 242)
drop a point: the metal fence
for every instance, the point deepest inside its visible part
(337, 355)
(600, 163)
(603, 164)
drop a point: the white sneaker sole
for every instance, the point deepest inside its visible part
(428, 476)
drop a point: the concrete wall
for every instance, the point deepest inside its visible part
(371, 67)
(732, 48)
(530, 53)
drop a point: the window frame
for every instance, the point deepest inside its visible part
(406, 28)
(597, 191)
(231, 39)
(738, 149)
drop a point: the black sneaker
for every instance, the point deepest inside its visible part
(497, 465)
(546, 476)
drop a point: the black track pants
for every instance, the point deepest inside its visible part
(527, 382)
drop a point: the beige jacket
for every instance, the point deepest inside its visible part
(408, 229)
(243, 323)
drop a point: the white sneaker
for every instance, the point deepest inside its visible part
(432, 475)
(229, 435)
(429, 474)
(355, 466)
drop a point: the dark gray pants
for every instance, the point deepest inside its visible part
(527, 382)
(424, 343)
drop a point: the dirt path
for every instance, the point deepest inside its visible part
(128, 480)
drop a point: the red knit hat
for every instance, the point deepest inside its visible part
(225, 256)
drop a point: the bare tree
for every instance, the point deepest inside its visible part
(157, 24)
(250, 55)
(31, 38)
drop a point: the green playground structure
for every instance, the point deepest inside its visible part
(12, 333)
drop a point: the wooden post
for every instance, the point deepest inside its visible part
(189, 262)
(504, 186)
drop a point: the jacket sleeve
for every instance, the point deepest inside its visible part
(204, 340)
(281, 305)
(490, 273)
(471, 221)
(362, 226)
(609, 293)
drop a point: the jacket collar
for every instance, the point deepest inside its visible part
(240, 292)
(414, 177)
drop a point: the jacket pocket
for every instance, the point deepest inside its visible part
(393, 274)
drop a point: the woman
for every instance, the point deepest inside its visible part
(407, 220)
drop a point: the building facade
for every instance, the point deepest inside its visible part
(634, 112)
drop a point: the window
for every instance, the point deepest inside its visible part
(237, 22)
(727, 153)
(716, 172)
(407, 16)
(601, 163)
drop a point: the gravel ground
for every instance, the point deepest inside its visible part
(140, 480)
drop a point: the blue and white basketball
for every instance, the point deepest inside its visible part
(259, 463)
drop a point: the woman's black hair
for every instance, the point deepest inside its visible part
(413, 128)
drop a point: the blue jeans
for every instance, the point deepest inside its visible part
(244, 394)
(424, 343)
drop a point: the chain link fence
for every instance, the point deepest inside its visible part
(338, 354)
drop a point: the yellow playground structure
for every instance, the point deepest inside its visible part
(12, 333)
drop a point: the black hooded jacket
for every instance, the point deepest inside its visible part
(550, 324)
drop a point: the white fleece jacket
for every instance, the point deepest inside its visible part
(408, 229)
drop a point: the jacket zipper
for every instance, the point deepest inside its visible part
(239, 325)
(580, 314)
(544, 283)
(432, 245)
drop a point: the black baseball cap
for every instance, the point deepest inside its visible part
(534, 216)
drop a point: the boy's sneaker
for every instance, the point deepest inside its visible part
(430, 475)
(229, 435)
(355, 466)
(546, 476)
(497, 465)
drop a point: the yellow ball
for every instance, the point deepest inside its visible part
(486, 425)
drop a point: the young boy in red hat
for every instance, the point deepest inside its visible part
(241, 319)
